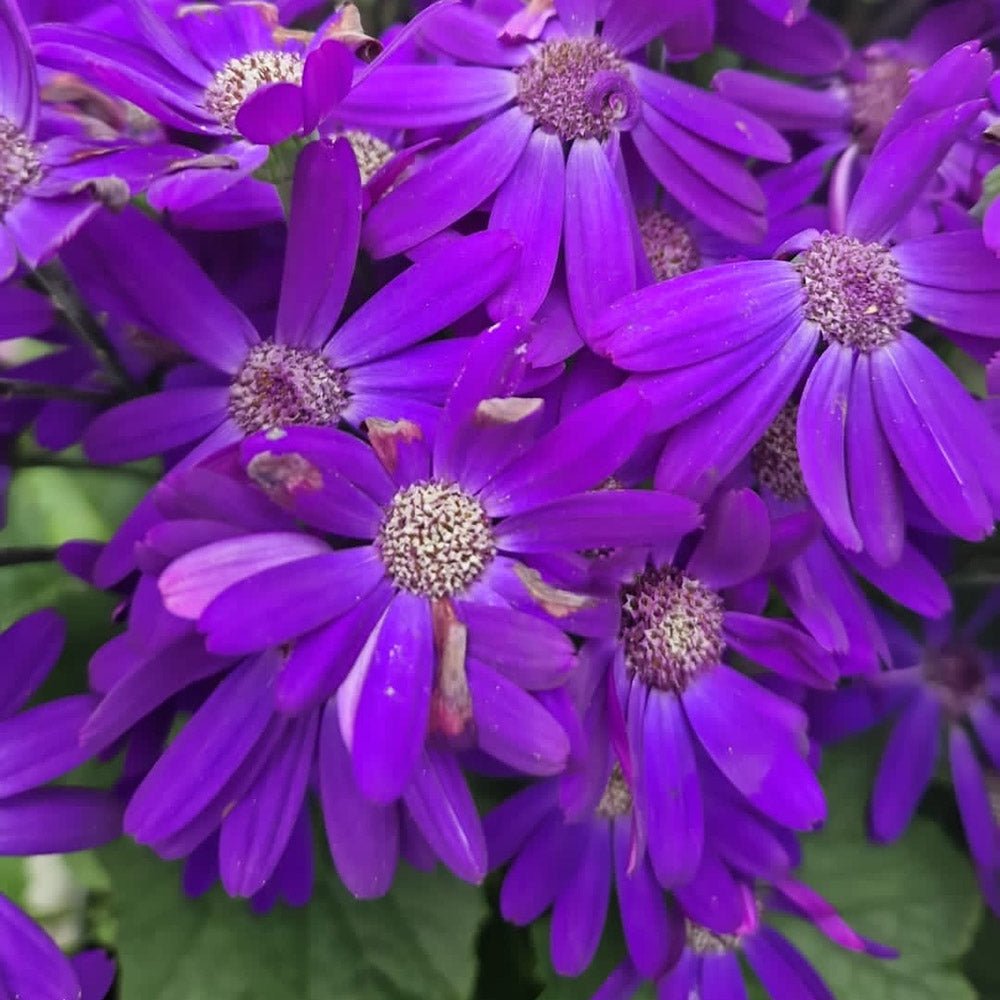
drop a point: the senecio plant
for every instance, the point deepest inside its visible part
(485, 465)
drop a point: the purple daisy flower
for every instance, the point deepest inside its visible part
(853, 109)
(709, 966)
(879, 408)
(50, 185)
(373, 364)
(548, 119)
(568, 838)
(685, 711)
(39, 744)
(948, 679)
(464, 560)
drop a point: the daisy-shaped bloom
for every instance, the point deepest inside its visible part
(39, 744)
(946, 680)
(686, 711)
(815, 575)
(569, 838)
(372, 364)
(879, 408)
(51, 184)
(543, 123)
(851, 110)
(709, 966)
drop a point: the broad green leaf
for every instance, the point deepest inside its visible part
(917, 895)
(982, 964)
(416, 944)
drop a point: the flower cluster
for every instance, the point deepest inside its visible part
(525, 409)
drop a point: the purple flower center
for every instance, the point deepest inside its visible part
(957, 674)
(775, 457)
(702, 941)
(671, 628)
(617, 798)
(855, 292)
(874, 99)
(370, 151)
(668, 245)
(435, 539)
(240, 77)
(20, 164)
(578, 88)
(280, 386)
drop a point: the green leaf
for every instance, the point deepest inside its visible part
(416, 944)
(917, 895)
(981, 965)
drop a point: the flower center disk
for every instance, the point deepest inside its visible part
(775, 458)
(20, 164)
(435, 539)
(241, 76)
(578, 88)
(855, 292)
(958, 675)
(875, 99)
(702, 941)
(280, 386)
(671, 628)
(617, 798)
(668, 245)
(371, 152)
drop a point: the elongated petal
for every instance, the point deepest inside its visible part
(442, 808)
(600, 259)
(781, 647)
(425, 299)
(323, 233)
(33, 965)
(326, 79)
(363, 836)
(673, 802)
(152, 425)
(585, 448)
(30, 648)
(394, 706)
(271, 114)
(448, 186)
(529, 204)
(906, 768)
(18, 74)
(281, 603)
(735, 542)
(784, 972)
(823, 415)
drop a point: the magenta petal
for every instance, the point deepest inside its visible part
(59, 820)
(281, 603)
(448, 186)
(906, 768)
(326, 79)
(611, 518)
(394, 706)
(323, 232)
(33, 966)
(584, 449)
(18, 73)
(363, 836)
(581, 909)
(513, 727)
(191, 583)
(786, 975)
(578, 17)
(442, 808)
(822, 420)
(671, 792)
(600, 258)
(782, 648)
(152, 425)
(973, 801)
(735, 542)
(529, 204)
(30, 648)
(871, 471)
(255, 834)
(271, 114)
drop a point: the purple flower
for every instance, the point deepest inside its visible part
(687, 717)
(373, 364)
(709, 965)
(549, 120)
(945, 680)
(879, 409)
(424, 576)
(851, 111)
(51, 185)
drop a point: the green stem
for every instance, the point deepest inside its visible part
(27, 554)
(16, 388)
